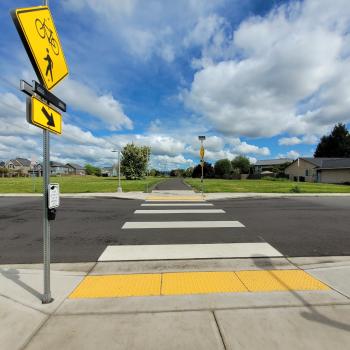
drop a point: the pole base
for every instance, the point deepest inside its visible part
(119, 189)
(46, 299)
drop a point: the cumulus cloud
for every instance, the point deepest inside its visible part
(166, 162)
(245, 148)
(286, 74)
(291, 141)
(146, 28)
(291, 154)
(101, 106)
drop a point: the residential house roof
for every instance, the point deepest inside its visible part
(75, 166)
(57, 164)
(20, 162)
(328, 163)
(274, 161)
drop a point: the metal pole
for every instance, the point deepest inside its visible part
(119, 184)
(202, 163)
(46, 298)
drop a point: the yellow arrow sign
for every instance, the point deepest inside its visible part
(201, 152)
(40, 39)
(44, 116)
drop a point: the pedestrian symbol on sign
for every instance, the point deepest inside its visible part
(49, 64)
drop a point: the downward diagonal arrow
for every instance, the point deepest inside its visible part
(50, 121)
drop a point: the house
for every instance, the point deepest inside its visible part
(57, 168)
(269, 165)
(75, 169)
(107, 171)
(18, 166)
(326, 170)
(36, 170)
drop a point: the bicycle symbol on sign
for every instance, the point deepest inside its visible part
(44, 31)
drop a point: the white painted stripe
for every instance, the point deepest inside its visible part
(177, 204)
(188, 251)
(181, 211)
(180, 224)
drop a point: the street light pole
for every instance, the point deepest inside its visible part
(119, 183)
(201, 153)
(119, 188)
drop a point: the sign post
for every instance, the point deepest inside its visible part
(201, 153)
(37, 31)
(46, 223)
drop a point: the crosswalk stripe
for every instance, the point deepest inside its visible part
(180, 224)
(177, 205)
(188, 251)
(181, 211)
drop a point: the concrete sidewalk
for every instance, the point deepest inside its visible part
(206, 196)
(265, 320)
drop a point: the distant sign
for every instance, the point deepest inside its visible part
(43, 116)
(201, 152)
(54, 196)
(37, 30)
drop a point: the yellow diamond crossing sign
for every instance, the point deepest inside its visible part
(40, 39)
(201, 152)
(43, 116)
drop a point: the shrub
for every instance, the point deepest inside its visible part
(296, 189)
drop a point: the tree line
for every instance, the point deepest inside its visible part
(134, 160)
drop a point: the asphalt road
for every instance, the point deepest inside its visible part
(309, 226)
(175, 183)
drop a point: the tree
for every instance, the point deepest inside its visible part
(223, 168)
(177, 172)
(241, 163)
(154, 172)
(337, 144)
(208, 170)
(188, 172)
(92, 170)
(134, 161)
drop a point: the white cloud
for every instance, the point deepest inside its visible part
(290, 77)
(245, 148)
(166, 162)
(291, 154)
(291, 141)
(145, 28)
(102, 106)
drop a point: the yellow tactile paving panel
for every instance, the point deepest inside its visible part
(182, 283)
(174, 198)
(279, 280)
(118, 286)
(201, 283)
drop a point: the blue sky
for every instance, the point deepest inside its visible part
(261, 78)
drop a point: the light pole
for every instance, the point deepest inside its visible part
(119, 189)
(201, 153)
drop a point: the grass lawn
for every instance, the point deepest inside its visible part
(265, 186)
(76, 184)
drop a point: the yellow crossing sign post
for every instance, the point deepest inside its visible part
(40, 39)
(37, 31)
(201, 153)
(43, 116)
